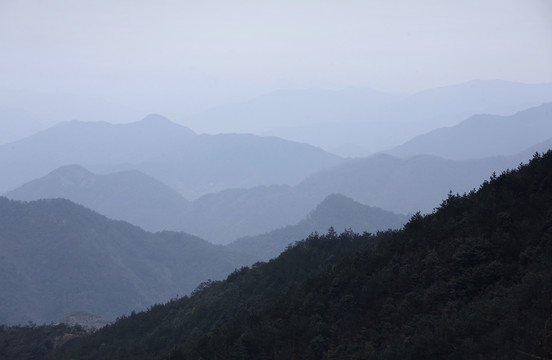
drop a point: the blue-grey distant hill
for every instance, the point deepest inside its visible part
(336, 211)
(126, 195)
(144, 201)
(484, 135)
(401, 185)
(191, 164)
(360, 121)
(58, 256)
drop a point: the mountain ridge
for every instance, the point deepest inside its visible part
(192, 164)
(336, 211)
(467, 281)
(483, 136)
(58, 256)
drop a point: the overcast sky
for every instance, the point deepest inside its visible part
(166, 50)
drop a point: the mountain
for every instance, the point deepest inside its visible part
(127, 195)
(400, 185)
(192, 164)
(404, 185)
(360, 121)
(336, 211)
(469, 281)
(484, 136)
(58, 256)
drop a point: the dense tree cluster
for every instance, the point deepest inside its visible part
(32, 342)
(472, 280)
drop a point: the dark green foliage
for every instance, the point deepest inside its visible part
(182, 326)
(472, 280)
(33, 342)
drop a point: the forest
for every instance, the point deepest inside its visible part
(471, 280)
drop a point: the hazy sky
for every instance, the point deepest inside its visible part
(183, 52)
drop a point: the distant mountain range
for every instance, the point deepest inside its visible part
(191, 164)
(58, 256)
(360, 121)
(336, 211)
(400, 185)
(221, 217)
(484, 136)
(469, 281)
(128, 195)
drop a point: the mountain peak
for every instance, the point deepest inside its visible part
(70, 170)
(156, 121)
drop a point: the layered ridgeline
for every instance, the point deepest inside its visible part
(484, 136)
(336, 212)
(141, 200)
(471, 280)
(361, 121)
(129, 195)
(191, 164)
(58, 256)
(400, 185)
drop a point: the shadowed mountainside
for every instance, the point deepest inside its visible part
(58, 256)
(469, 281)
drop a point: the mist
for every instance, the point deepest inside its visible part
(390, 160)
(118, 61)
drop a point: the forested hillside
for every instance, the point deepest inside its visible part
(58, 256)
(470, 281)
(336, 211)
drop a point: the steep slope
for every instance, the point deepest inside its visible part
(58, 256)
(128, 195)
(468, 281)
(171, 153)
(484, 136)
(336, 211)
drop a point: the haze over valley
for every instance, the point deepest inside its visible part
(244, 180)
